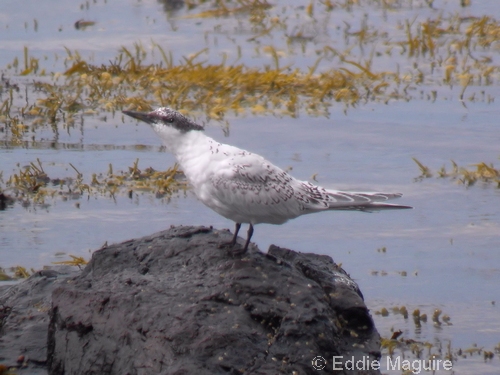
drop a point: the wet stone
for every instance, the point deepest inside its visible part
(176, 303)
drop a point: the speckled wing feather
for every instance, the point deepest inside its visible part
(251, 185)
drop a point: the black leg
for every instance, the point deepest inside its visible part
(236, 230)
(249, 236)
(235, 237)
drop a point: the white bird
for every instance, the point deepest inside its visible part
(244, 187)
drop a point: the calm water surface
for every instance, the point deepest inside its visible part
(449, 245)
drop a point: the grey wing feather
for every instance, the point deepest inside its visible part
(362, 201)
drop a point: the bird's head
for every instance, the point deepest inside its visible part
(164, 120)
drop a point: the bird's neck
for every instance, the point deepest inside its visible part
(181, 144)
(190, 150)
(190, 145)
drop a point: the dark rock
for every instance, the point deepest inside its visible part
(5, 201)
(24, 318)
(175, 303)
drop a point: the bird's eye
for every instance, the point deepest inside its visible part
(170, 119)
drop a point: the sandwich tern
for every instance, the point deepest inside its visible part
(244, 187)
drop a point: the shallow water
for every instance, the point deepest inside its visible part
(448, 245)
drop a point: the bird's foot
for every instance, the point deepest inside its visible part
(226, 245)
(238, 251)
(233, 248)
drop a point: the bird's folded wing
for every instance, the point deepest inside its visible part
(254, 184)
(261, 184)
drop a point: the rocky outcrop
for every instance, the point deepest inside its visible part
(176, 303)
